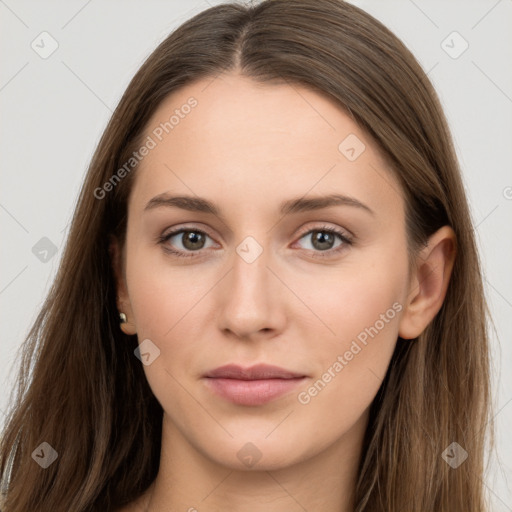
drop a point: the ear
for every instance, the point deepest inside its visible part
(429, 283)
(123, 299)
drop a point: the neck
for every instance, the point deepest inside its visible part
(190, 481)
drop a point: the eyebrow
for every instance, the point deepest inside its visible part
(297, 205)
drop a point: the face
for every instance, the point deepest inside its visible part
(272, 273)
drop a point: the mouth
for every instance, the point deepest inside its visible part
(252, 386)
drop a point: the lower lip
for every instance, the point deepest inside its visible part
(252, 392)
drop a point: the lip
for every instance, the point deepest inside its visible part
(252, 386)
(258, 371)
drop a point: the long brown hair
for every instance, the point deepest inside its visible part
(82, 390)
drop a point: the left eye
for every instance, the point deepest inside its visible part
(323, 239)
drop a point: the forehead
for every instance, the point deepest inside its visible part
(230, 133)
(231, 109)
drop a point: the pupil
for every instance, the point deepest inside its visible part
(322, 238)
(192, 238)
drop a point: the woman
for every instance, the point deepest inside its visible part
(270, 298)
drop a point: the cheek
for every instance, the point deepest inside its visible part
(360, 308)
(169, 306)
(351, 299)
(350, 367)
(161, 294)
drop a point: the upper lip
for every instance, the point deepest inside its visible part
(256, 372)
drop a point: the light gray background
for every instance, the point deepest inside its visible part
(54, 110)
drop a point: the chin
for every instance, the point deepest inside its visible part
(255, 453)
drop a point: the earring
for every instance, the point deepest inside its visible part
(125, 326)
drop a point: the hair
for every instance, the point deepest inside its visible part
(81, 389)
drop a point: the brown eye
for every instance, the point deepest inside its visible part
(193, 240)
(186, 242)
(324, 240)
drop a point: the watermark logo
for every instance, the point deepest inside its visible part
(147, 352)
(249, 250)
(249, 454)
(45, 455)
(454, 45)
(454, 455)
(44, 250)
(351, 147)
(44, 45)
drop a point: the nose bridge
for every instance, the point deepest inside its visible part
(250, 272)
(249, 294)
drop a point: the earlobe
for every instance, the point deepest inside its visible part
(429, 284)
(126, 325)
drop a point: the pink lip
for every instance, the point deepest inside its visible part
(256, 385)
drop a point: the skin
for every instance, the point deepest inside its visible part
(247, 147)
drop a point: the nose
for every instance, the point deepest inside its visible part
(251, 299)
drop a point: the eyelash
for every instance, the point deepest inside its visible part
(318, 254)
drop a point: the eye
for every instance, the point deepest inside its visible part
(323, 239)
(192, 240)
